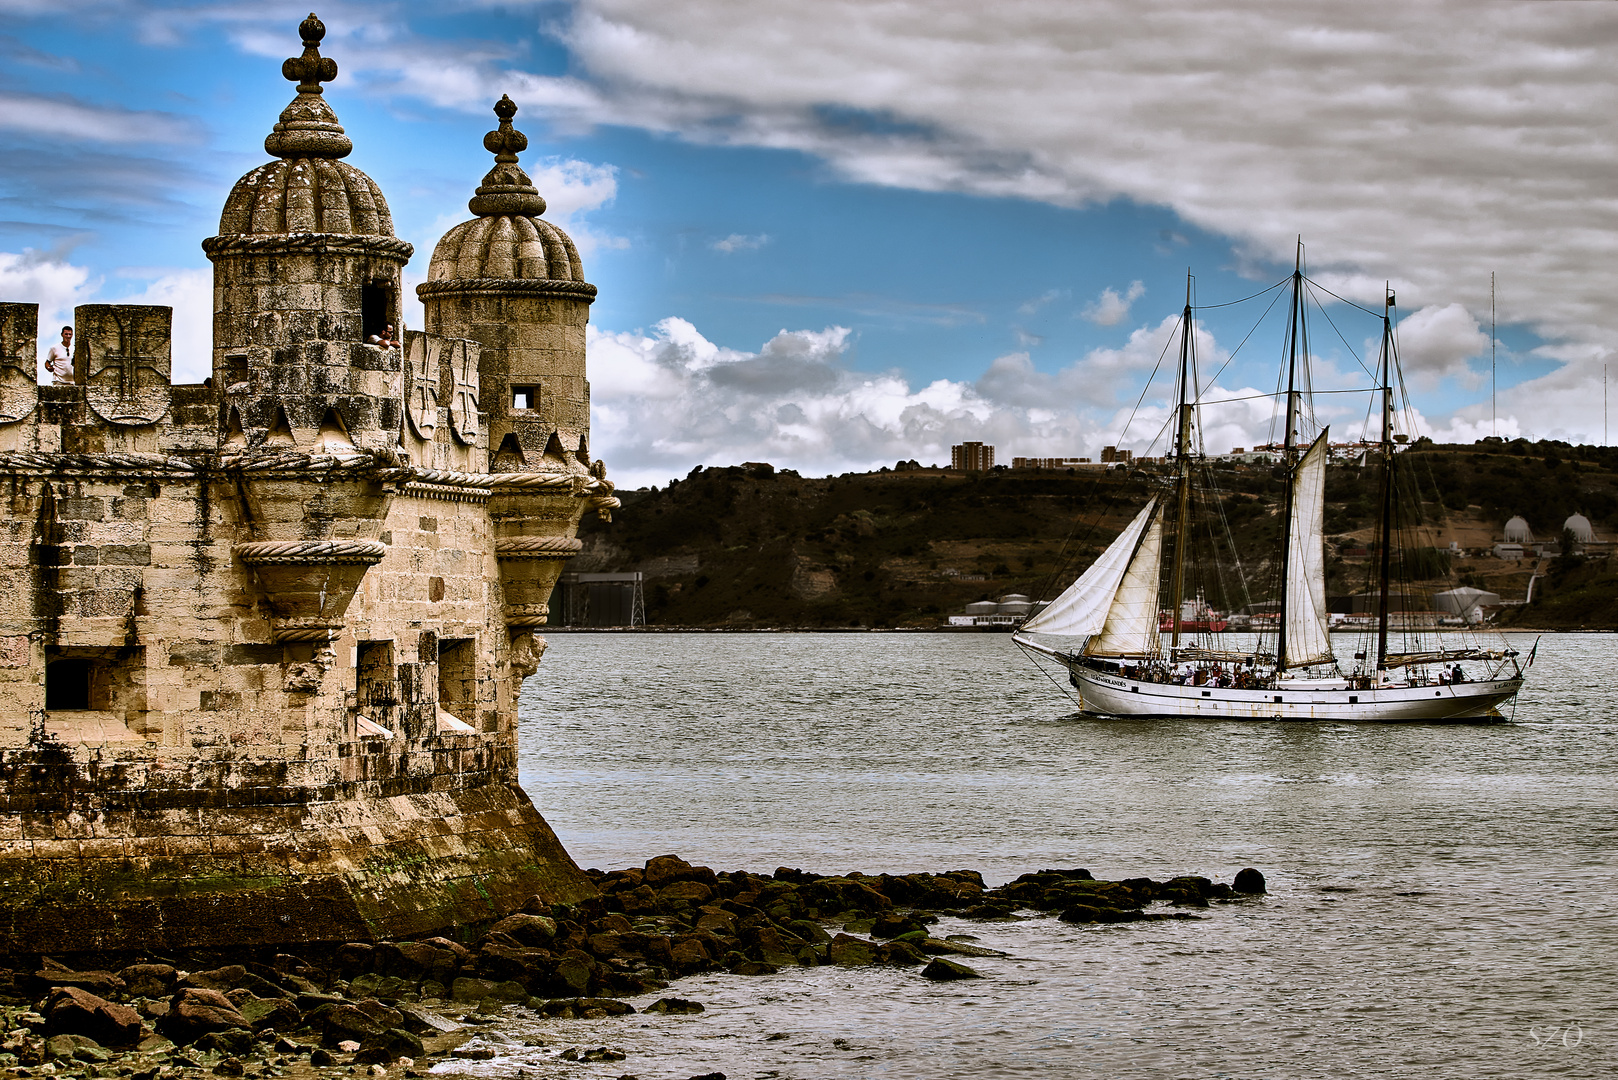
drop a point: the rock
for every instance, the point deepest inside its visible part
(349, 1023)
(148, 980)
(230, 1066)
(891, 925)
(580, 1006)
(284, 1045)
(934, 946)
(534, 930)
(472, 1053)
(744, 966)
(1249, 881)
(72, 1011)
(809, 930)
(100, 983)
(388, 1047)
(674, 1006)
(1083, 913)
(424, 1021)
(386, 1015)
(575, 970)
(667, 869)
(901, 953)
(224, 979)
(680, 895)
(348, 1046)
(846, 951)
(266, 1013)
(233, 1041)
(195, 1012)
(940, 970)
(75, 1048)
(321, 1058)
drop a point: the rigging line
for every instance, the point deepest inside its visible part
(1282, 393)
(1344, 299)
(1327, 316)
(1243, 300)
(1143, 391)
(1251, 331)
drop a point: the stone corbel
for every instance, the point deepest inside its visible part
(309, 583)
(529, 567)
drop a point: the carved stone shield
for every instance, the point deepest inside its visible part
(421, 358)
(461, 358)
(19, 379)
(123, 350)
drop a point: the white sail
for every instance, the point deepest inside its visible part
(1083, 607)
(1308, 639)
(1132, 620)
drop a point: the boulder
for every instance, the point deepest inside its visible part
(414, 960)
(388, 1047)
(223, 979)
(901, 953)
(75, 1048)
(667, 869)
(941, 970)
(194, 1012)
(233, 1042)
(148, 980)
(809, 930)
(50, 973)
(72, 1011)
(680, 895)
(576, 1007)
(533, 930)
(266, 1013)
(1249, 881)
(847, 951)
(891, 925)
(575, 970)
(424, 1021)
(348, 1022)
(674, 1006)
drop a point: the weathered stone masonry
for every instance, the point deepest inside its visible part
(264, 637)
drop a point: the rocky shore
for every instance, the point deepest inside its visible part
(405, 1006)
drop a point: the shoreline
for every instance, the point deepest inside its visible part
(371, 1007)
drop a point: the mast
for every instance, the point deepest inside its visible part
(1182, 457)
(1385, 543)
(1289, 448)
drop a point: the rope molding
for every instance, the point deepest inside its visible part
(539, 287)
(316, 552)
(304, 243)
(537, 547)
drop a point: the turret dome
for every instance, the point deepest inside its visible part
(508, 240)
(308, 190)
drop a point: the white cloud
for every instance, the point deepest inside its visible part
(49, 280)
(738, 242)
(190, 294)
(64, 118)
(1436, 342)
(1110, 309)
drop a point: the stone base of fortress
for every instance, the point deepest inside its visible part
(105, 853)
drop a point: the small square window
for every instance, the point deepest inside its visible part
(525, 397)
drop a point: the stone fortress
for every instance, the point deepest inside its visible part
(262, 649)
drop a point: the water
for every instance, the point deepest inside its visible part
(1441, 897)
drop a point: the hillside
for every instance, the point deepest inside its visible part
(748, 546)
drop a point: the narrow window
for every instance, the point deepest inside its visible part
(375, 309)
(67, 684)
(376, 677)
(458, 678)
(525, 397)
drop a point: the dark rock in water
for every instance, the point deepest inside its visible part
(72, 1011)
(267, 1013)
(809, 930)
(752, 967)
(993, 910)
(388, 1047)
(75, 1048)
(424, 1021)
(900, 953)
(890, 925)
(322, 1058)
(675, 1006)
(284, 1045)
(575, 970)
(148, 980)
(579, 1006)
(667, 869)
(231, 1042)
(940, 970)
(348, 1022)
(846, 951)
(1081, 913)
(194, 1012)
(1249, 881)
(712, 1075)
(230, 1066)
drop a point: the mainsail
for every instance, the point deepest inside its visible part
(1308, 640)
(1083, 607)
(1131, 625)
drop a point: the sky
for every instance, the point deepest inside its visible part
(838, 235)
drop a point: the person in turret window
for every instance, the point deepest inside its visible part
(385, 339)
(59, 358)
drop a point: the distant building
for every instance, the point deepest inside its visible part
(971, 457)
(1002, 614)
(1113, 454)
(1053, 463)
(599, 600)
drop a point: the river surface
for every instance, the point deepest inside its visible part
(1441, 904)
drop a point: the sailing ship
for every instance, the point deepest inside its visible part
(1122, 633)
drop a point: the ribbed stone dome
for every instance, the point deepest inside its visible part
(508, 240)
(507, 246)
(304, 195)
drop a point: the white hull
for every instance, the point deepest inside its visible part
(1114, 695)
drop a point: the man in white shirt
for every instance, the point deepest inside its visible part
(59, 360)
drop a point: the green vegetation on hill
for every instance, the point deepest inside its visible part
(747, 546)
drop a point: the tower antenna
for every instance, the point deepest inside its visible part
(1494, 423)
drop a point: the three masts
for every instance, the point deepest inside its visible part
(1137, 655)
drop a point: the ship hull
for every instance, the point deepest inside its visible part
(1113, 695)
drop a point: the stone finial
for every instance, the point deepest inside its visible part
(308, 127)
(506, 189)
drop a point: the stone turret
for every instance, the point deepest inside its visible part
(513, 282)
(260, 663)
